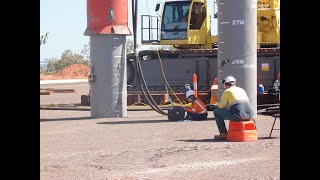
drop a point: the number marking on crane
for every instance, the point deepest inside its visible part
(237, 22)
(238, 61)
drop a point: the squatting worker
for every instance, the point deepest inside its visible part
(234, 105)
(198, 110)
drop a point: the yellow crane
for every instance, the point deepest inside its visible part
(186, 24)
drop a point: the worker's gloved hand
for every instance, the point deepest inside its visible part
(211, 107)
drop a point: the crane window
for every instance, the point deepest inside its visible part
(198, 15)
(175, 20)
(175, 13)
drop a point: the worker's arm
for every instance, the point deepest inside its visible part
(189, 109)
(224, 100)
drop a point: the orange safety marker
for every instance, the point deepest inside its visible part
(215, 81)
(195, 85)
(242, 131)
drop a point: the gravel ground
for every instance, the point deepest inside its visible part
(65, 98)
(145, 145)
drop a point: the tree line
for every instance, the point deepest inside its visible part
(54, 65)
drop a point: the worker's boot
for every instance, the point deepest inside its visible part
(222, 136)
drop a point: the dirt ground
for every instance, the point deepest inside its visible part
(145, 145)
(74, 71)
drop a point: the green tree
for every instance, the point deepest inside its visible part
(67, 58)
(51, 65)
(43, 69)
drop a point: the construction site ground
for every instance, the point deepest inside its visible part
(145, 145)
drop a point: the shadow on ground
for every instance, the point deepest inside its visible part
(65, 119)
(213, 140)
(202, 140)
(135, 122)
(263, 138)
(145, 121)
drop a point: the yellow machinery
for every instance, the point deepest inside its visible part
(268, 18)
(185, 24)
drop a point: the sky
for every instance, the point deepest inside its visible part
(66, 21)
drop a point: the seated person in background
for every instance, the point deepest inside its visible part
(276, 84)
(198, 110)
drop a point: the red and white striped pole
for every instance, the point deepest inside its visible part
(195, 85)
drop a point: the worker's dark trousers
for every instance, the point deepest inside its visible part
(223, 114)
(197, 117)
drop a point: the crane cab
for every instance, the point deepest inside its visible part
(174, 23)
(184, 24)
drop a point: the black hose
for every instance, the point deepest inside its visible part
(140, 76)
(148, 92)
(142, 88)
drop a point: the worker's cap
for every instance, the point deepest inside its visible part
(189, 93)
(229, 79)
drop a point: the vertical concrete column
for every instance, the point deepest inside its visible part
(237, 45)
(108, 90)
(107, 26)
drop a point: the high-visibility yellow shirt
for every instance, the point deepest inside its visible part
(231, 96)
(236, 99)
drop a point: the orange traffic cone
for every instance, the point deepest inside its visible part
(195, 85)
